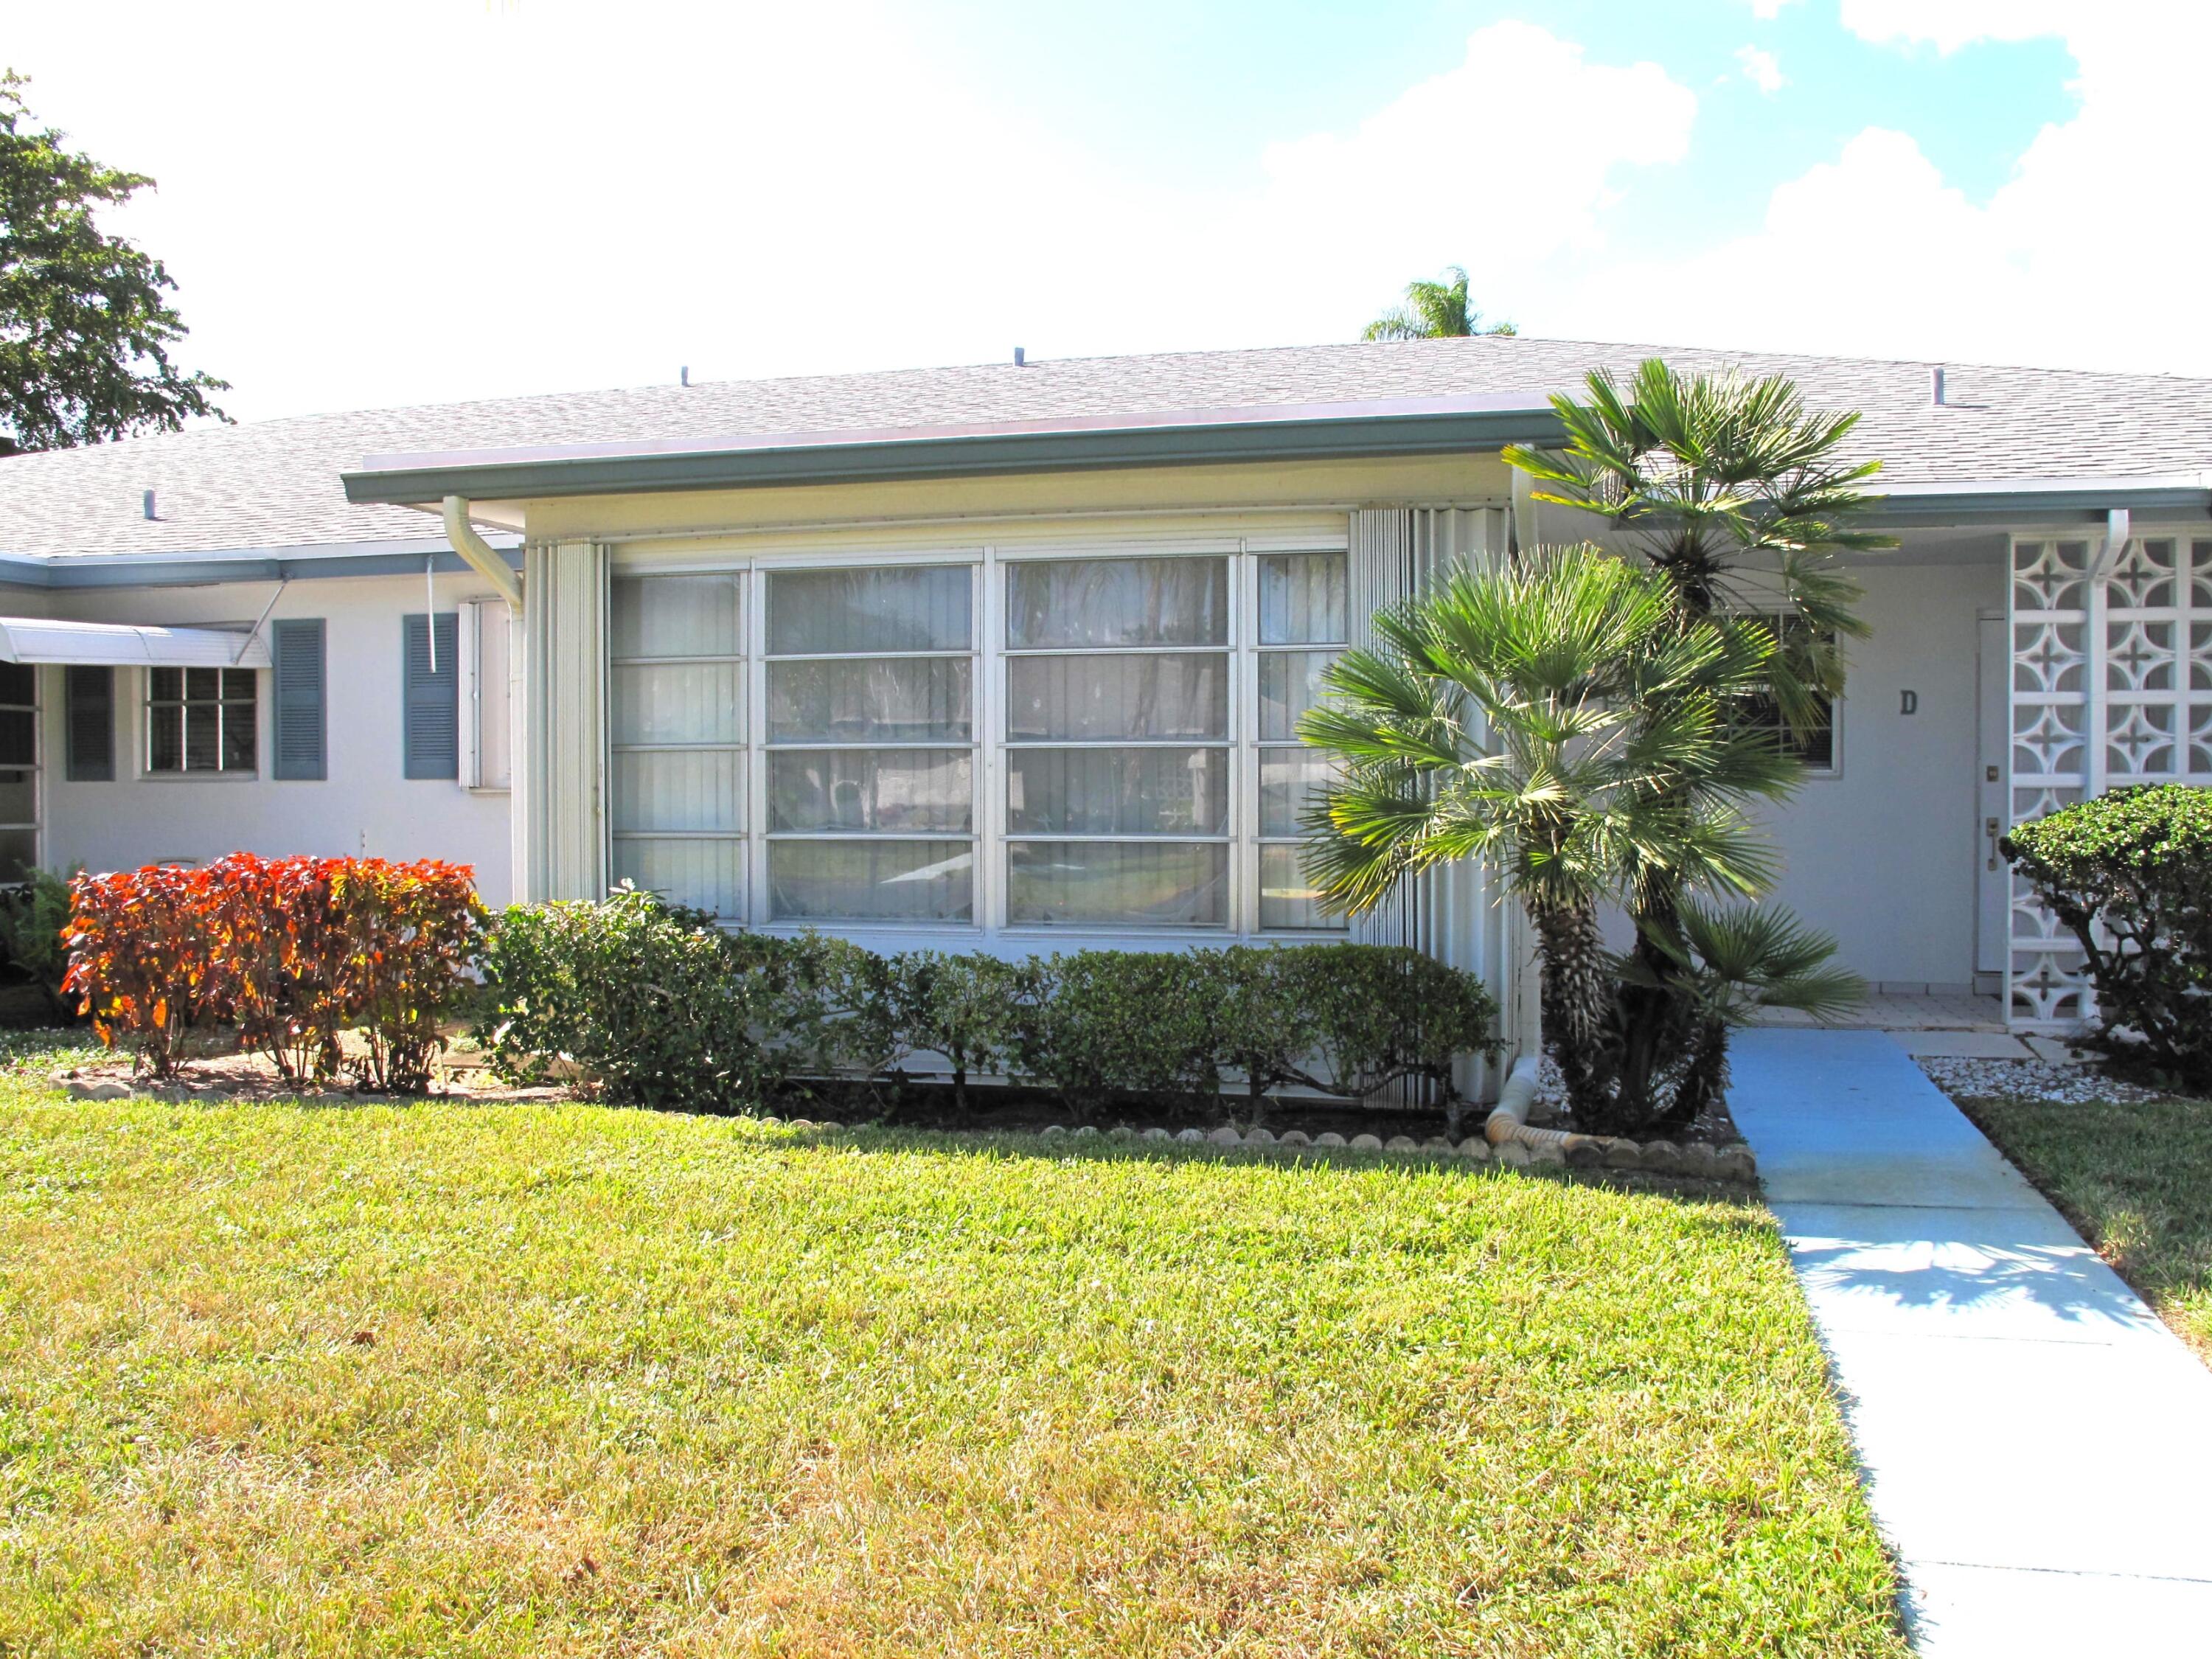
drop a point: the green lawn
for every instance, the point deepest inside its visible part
(2137, 1179)
(565, 1380)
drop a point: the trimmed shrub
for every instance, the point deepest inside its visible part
(648, 1004)
(1110, 1022)
(292, 950)
(2130, 875)
(970, 1009)
(1381, 1013)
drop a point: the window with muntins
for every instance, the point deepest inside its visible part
(1815, 746)
(201, 720)
(1101, 743)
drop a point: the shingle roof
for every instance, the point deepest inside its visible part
(276, 484)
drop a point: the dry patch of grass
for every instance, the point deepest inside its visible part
(2137, 1178)
(554, 1379)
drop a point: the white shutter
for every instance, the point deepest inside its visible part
(486, 736)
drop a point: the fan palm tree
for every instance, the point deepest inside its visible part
(1433, 311)
(1554, 720)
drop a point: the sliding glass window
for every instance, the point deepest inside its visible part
(870, 763)
(676, 766)
(1302, 613)
(1118, 752)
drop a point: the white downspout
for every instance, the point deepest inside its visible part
(478, 552)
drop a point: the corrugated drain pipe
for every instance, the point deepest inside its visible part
(479, 554)
(1508, 1120)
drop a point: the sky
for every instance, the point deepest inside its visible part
(388, 201)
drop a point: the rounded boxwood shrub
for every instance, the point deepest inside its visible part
(2130, 875)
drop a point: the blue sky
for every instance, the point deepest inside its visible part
(416, 200)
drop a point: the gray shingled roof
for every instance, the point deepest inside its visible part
(276, 484)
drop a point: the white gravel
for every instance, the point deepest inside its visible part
(2032, 1079)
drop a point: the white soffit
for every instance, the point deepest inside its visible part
(122, 645)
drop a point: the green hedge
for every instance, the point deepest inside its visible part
(649, 1004)
(2130, 875)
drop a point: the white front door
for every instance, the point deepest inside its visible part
(1993, 881)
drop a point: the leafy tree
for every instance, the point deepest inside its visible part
(85, 323)
(1434, 311)
(1554, 719)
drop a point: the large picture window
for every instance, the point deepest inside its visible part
(1114, 750)
(201, 721)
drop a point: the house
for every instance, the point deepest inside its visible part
(1010, 656)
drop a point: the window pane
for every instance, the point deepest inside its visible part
(710, 874)
(1118, 884)
(894, 790)
(1286, 899)
(1302, 598)
(918, 699)
(240, 750)
(870, 880)
(1084, 699)
(239, 684)
(1290, 684)
(165, 737)
(19, 798)
(165, 684)
(678, 789)
(203, 682)
(202, 735)
(679, 702)
(1105, 602)
(1117, 792)
(19, 682)
(18, 853)
(911, 608)
(18, 738)
(1289, 780)
(676, 615)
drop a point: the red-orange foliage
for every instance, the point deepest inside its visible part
(293, 951)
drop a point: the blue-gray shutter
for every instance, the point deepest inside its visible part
(432, 701)
(88, 697)
(296, 676)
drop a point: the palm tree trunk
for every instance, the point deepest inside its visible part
(1576, 997)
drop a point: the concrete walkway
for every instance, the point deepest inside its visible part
(2037, 1446)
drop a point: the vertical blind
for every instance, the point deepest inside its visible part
(1139, 713)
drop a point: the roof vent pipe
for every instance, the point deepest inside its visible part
(683, 375)
(478, 552)
(1020, 358)
(1935, 379)
(148, 505)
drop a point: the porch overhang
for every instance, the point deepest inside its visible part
(122, 645)
(1289, 432)
(2037, 503)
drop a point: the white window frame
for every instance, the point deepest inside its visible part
(988, 747)
(148, 772)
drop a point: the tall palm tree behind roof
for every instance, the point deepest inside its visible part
(1434, 311)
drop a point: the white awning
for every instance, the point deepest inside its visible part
(116, 645)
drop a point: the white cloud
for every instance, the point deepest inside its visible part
(1760, 68)
(425, 200)
(1767, 10)
(2087, 256)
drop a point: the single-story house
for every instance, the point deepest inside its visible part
(1009, 656)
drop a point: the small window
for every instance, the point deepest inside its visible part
(89, 731)
(201, 720)
(1815, 746)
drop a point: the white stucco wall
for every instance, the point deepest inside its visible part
(1884, 855)
(365, 806)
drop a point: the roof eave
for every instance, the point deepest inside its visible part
(410, 481)
(2031, 503)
